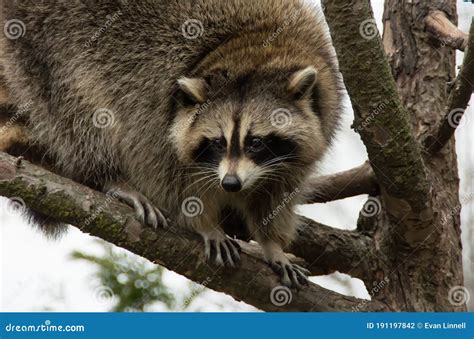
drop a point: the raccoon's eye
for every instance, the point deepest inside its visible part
(255, 145)
(219, 143)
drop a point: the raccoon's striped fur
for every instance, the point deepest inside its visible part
(227, 105)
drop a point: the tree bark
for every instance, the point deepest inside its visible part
(423, 69)
(102, 216)
(418, 225)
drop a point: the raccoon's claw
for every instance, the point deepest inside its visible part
(145, 212)
(223, 250)
(291, 275)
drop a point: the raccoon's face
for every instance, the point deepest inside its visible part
(241, 130)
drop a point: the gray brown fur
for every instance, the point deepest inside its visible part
(131, 69)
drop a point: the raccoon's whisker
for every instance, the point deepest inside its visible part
(191, 175)
(281, 166)
(274, 179)
(204, 166)
(199, 180)
(278, 180)
(205, 188)
(195, 173)
(277, 160)
(270, 173)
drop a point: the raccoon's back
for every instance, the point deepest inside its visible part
(135, 49)
(73, 59)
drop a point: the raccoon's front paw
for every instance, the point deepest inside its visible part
(221, 249)
(291, 275)
(145, 212)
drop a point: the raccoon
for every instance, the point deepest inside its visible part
(184, 109)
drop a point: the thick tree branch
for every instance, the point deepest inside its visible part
(101, 216)
(380, 118)
(457, 101)
(326, 250)
(441, 28)
(356, 181)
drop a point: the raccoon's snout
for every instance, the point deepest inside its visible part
(231, 183)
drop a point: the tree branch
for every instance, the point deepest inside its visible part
(457, 101)
(103, 217)
(439, 26)
(380, 118)
(356, 181)
(326, 250)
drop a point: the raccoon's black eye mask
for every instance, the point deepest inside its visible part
(271, 147)
(261, 150)
(210, 151)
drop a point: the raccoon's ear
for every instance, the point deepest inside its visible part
(194, 89)
(302, 82)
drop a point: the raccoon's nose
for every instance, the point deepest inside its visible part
(231, 183)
